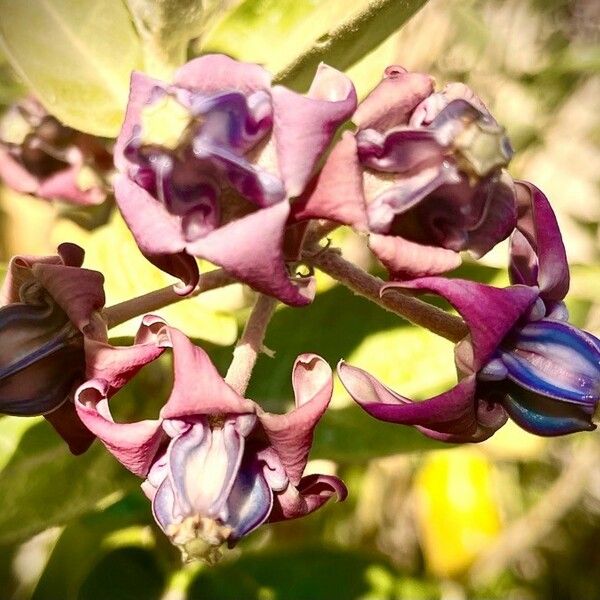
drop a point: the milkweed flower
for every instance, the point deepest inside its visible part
(521, 359)
(209, 162)
(41, 156)
(215, 465)
(423, 174)
(49, 306)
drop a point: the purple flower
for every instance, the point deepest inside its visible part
(423, 174)
(216, 466)
(49, 305)
(209, 162)
(40, 156)
(521, 358)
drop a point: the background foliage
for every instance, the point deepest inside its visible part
(515, 517)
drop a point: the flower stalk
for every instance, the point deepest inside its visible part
(250, 344)
(134, 307)
(412, 309)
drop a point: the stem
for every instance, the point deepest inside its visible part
(119, 313)
(414, 310)
(250, 344)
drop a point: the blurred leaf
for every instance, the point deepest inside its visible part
(457, 512)
(208, 316)
(43, 484)
(345, 44)
(166, 28)
(75, 56)
(255, 27)
(125, 574)
(315, 573)
(306, 32)
(350, 435)
(83, 544)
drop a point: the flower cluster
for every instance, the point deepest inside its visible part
(219, 164)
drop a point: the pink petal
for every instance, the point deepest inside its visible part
(489, 312)
(448, 412)
(157, 232)
(304, 125)
(538, 225)
(217, 73)
(140, 94)
(312, 492)
(133, 444)
(79, 292)
(15, 176)
(116, 365)
(63, 186)
(405, 259)
(251, 249)
(391, 103)
(291, 435)
(336, 193)
(198, 388)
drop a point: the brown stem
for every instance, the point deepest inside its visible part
(119, 313)
(250, 344)
(414, 310)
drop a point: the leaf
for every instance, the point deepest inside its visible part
(255, 27)
(166, 28)
(297, 574)
(84, 543)
(75, 56)
(344, 45)
(44, 485)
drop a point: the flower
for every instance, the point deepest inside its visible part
(216, 466)
(49, 305)
(41, 156)
(423, 175)
(521, 359)
(209, 162)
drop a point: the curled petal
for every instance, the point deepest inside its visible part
(475, 302)
(198, 388)
(453, 412)
(537, 251)
(251, 249)
(304, 125)
(291, 434)
(311, 493)
(405, 259)
(79, 292)
(393, 100)
(336, 193)
(133, 444)
(216, 72)
(15, 175)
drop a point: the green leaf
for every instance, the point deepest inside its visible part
(298, 574)
(75, 56)
(166, 28)
(43, 484)
(84, 543)
(255, 27)
(351, 40)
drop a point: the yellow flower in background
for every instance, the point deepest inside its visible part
(457, 512)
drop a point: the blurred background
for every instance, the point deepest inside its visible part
(516, 517)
